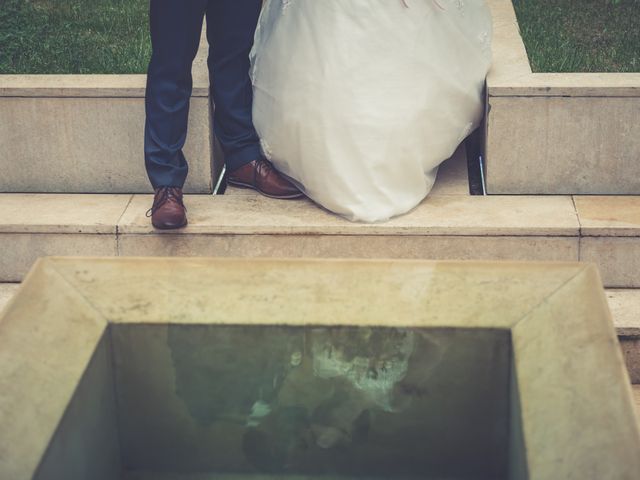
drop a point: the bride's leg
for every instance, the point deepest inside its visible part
(231, 26)
(175, 36)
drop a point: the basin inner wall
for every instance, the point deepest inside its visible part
(85, 444)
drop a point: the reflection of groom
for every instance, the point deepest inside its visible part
(175, 36)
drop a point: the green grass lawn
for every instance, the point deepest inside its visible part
(581, 35)
(74, 36)
(112, 36)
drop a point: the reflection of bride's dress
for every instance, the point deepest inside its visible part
(359, 101)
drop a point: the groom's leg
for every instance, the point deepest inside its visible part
(231, 26)
(175, 36)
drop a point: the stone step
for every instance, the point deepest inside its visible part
(449, 224)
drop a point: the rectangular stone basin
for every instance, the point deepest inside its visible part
(201, 369)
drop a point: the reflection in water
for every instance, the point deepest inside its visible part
(300, 390)
(222, 373)
(354, 401)
(372, 361)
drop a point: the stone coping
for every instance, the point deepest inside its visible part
(511, 74)
(573, 405)
(567, 85)
(129, 86)
(623, 303)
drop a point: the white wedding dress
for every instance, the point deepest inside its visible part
(359, 101)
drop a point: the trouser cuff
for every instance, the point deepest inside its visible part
(242, 157)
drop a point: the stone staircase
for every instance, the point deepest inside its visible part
(449, 224)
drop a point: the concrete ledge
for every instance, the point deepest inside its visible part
(86, 86)
(624, 305)
(557, 133)
(567, 85)
(85, 133)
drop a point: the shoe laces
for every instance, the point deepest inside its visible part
(163, 195)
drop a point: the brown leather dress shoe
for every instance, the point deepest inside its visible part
(262, 176)
(168, 210)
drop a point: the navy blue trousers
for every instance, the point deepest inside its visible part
(176, 26)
